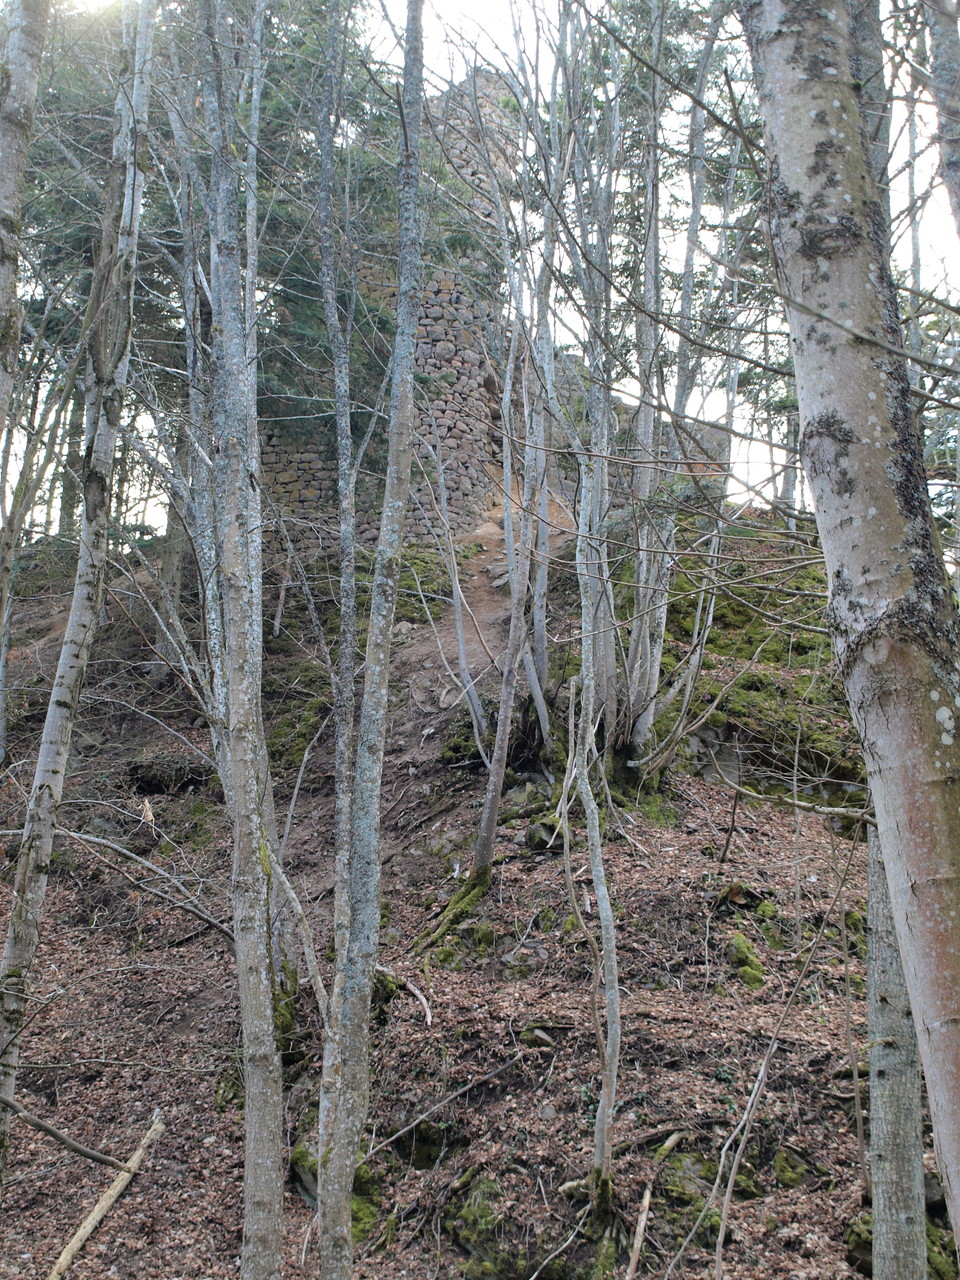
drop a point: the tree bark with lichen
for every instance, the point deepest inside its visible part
(240, 741)
(895, 628)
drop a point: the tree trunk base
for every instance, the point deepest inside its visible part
(460, 907)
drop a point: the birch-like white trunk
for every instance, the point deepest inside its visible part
(895, 628)
(18, 93)
(110, 314)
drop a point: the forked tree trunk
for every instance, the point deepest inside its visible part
(895, 628)
(110, 315)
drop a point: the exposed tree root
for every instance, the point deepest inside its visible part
(460, 907)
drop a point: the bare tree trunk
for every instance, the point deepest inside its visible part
(242, 757)
(896, 1109)
(896, 631)
(899, 1241)
(338, 324)
(345, 1085)
(601, 1181)
(110, 322)
(70, 471)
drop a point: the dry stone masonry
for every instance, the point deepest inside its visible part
(460, 340)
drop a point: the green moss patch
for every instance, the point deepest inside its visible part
(788, 1170)
(744, 961)
(499, 1248)
(941, 1249)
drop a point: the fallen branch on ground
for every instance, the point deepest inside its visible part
(106, 1201)
(58, 1135)
(414, 991)
(644, 1213)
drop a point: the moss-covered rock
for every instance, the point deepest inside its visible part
(364, 1203)
(303, 1168)
(499, 1247)
(167, 768)
(941, 1253)
(744, 961)
(768, 917)
(656, 808)
(788, 1170)
(543, 834)
(474, 1225)
(363, 1218)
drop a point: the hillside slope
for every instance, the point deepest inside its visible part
(741, 943)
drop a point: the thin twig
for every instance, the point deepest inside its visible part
(414, 991)
(824, 810)
(566, 1244)
(306, 936)
(442, 1103)
(288, 825)
(87, 841)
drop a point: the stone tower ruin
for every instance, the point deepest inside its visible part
(460, 342)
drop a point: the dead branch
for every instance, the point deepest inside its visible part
(59, 1136)
(414, 991)
(107, 1200)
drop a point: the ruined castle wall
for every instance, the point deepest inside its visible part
(458, 340)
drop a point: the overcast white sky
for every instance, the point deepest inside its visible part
(454, 29)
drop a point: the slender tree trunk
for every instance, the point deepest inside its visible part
(345, 1084)
(110, 322)
(896, 1108)
(896, 631)
(242, 756)
(70, 471)
(339, 323)
(593, 475)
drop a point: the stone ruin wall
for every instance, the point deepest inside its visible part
(457, 371)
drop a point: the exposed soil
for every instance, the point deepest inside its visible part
(135, 1010)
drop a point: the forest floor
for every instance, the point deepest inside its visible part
(741, 941)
